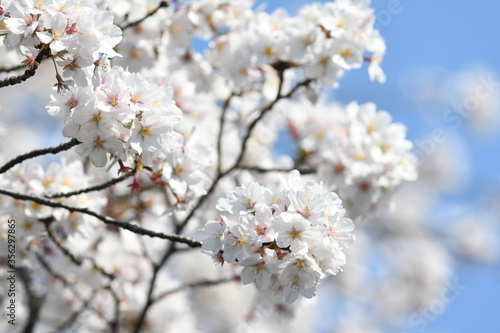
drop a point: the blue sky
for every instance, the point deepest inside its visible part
(453, 36)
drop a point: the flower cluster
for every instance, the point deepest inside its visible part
(321, 42)
(32, 179)
(245, 47)
(358, 150)
(75, 31)
(122, 114)
(288, 239)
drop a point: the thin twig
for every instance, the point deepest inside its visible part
(149, 300)
(12, 69)
(77, 261)
(10, 81)
(163, 4)
(71, 287)
(116, 320)
(263, 170)
(203, 283)
(35, 301)
(124, 225)
(92, 188)
(39, 152)
(222, 119)
(261, 115)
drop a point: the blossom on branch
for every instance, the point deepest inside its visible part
(295, 249)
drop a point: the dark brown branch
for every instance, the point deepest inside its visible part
(163, 4)
(85, 303)
(149, 300)
(34, 301)
(13, 80)
(222, 119)
(71, 287)
(12, 69)
(115, 323)
(39, 152)
(124, 225)
(263, 170)
(77, 261)
(92, 188)
(254, 123)
(203, 283)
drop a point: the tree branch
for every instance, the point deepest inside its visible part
(34, 301)
(13, 80)
(149, 300)
(12, 69)
(92, 188)
(70, 286)
(77, 261)
(254, 123)
(124, 225)
(39, 152)
(222, 119)
(263, 170)
(202, 283)
(163, 4)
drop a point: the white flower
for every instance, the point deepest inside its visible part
(296, 232)
(23, 18)
(214, 230)
(97, 148)
(299, 277)
(237, 244)
(147, 131)
(244, 200)
(58, 35)
(258, 269)
(340, 230)
(262, 224)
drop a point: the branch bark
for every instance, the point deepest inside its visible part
(39, 152)
(124, 225)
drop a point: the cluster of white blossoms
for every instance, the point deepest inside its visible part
(288, 239)
(122, 114)
(320, 43)
(245, 46)
(76, 32)
(360, 152)
(66, 176)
